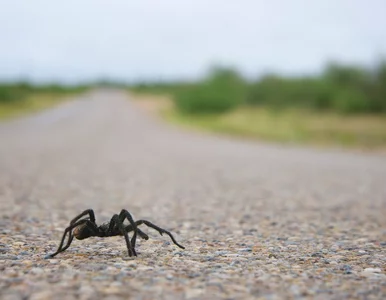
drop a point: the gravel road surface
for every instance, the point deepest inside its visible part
(257, 221)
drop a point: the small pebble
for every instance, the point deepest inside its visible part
(37, 271)
(347, 269)
(372, 270)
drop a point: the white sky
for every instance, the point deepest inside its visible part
(166, 39)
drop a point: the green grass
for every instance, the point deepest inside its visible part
(296, 126)
(32, 103)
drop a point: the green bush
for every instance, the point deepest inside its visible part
(288, 92)
(355, 89)
(11, 93)
(349, 101)
(377, 91)
(17, 92)
(345, 89)
(342, 88)
(223, 90)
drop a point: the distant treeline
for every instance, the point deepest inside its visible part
(339, 88)
(19, 91)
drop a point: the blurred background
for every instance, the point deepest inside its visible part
(285, 71)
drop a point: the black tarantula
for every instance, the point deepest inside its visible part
(86, 227)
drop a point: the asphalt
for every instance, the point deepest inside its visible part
(257, 220)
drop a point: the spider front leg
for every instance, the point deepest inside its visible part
(124, 214)
(160, 230)
(116, 222)
(143, 235)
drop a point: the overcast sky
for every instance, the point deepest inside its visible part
(166, 39)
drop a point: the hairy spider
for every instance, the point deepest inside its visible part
(86, 227)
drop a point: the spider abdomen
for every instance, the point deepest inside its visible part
(82, 232)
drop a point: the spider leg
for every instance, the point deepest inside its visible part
(134, 239)
(116, 221)
(89, 212)
(143, 235)
(69, 229)
(124, 214)
(90, 225)
(139, 232)
(160, 230)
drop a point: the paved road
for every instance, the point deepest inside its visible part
(256, 220)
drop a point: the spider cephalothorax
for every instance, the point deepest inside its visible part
(86, 227)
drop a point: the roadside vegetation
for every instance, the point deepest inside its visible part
(343, 106)
(17, 99)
